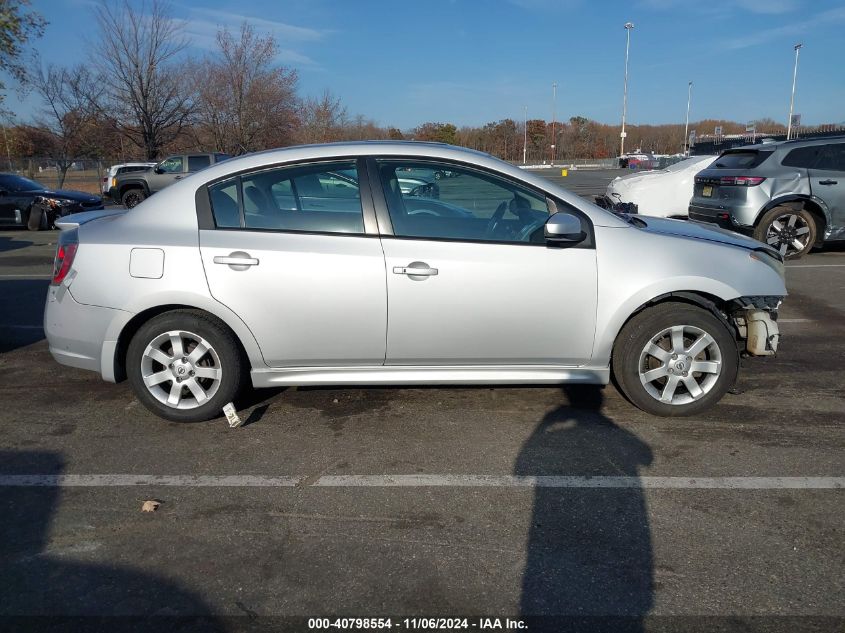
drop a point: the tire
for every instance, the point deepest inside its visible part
(133, 197)
(150, 355)
(785, 228)
(645, 378)
(37, 219)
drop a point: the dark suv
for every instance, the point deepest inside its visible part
(790, 195)
(132, 188)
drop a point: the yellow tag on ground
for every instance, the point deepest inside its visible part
(564, 172)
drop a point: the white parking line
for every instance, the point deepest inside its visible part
(25, 276)
(795, 320)
(816, 266)
(425, 481)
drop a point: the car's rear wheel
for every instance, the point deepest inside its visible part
(185, 366)
(675, 359)
(792, 231)
(132, 197)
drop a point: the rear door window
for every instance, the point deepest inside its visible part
(195, 163)
(804, 157)
(319, 198)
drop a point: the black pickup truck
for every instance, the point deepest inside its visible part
(132, 188)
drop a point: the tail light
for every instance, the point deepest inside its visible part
(114, 182)
(741, 181)
(65, 254)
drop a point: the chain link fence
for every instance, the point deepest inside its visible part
(83, 175)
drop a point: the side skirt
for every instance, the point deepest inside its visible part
(422, 375)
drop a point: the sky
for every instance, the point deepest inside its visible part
(469, 62)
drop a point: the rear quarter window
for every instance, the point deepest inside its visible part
(802, 157)
(740, 160)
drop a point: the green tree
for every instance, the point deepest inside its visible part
(18, 26)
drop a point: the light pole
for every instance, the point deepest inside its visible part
(792, 98)
(686, 125)
(525, 136)
(554, 116)
(628, 27)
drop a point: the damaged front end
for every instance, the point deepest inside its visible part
(755, 319)
(605, 202)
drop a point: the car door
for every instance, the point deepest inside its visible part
(470, 278)
(827, 182)
(310, 284)
(166, 173)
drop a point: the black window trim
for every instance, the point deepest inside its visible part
(386, 225)
(205, 214)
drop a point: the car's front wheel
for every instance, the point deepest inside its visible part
(675, 359)
(789, 230)
(132, 197)
(185, 366)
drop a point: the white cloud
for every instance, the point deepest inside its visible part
(787, 32)
(282, 30)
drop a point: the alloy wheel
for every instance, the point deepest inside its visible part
(789, 233)
(181, 369)
(680, 364)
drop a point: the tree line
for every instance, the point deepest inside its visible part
(140, 95)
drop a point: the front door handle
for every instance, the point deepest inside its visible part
(416, 270)
(828, 182)
(237, 260)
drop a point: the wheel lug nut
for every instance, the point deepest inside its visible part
(685, 374)
(184, 360)
(178, 380)
(674, 357)
(191, 372)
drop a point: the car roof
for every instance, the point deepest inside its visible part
(795, 142)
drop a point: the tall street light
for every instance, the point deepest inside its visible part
(628, 27)
(686, 126)
(525, 136)
(792, 98)
(554, 116)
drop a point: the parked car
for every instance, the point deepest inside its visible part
(25, 202)
(130, 189)
(116, 170)
(663, 193)
(790, 195)
(232, 272)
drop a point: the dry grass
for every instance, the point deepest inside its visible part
(86, 181)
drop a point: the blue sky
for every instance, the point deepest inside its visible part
(473, 61)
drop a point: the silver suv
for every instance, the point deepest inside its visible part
(790, 195)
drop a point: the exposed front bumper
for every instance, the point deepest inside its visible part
(75, 332)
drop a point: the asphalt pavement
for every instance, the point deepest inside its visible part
(447, 501)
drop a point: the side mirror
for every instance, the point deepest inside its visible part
(564, 227)
(157, 169)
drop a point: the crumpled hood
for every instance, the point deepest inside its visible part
(701, 231)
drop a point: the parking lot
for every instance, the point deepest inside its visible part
(433, 502)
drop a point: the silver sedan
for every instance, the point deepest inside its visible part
(314, 266)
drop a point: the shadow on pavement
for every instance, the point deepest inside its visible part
(589, 549)
(21, 312)
(45, 586)
(8, 244)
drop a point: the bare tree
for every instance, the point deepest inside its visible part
(323, 119)
(18, 27)
(67, 120)
(243, 101)
(137, 53)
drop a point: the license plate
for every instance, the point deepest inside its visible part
(707, 191)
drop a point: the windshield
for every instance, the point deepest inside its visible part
(19, 183)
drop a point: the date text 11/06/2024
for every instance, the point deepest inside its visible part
(421, 624)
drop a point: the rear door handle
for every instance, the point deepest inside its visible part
(828, 182)
(237, 260)
(415, 269)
